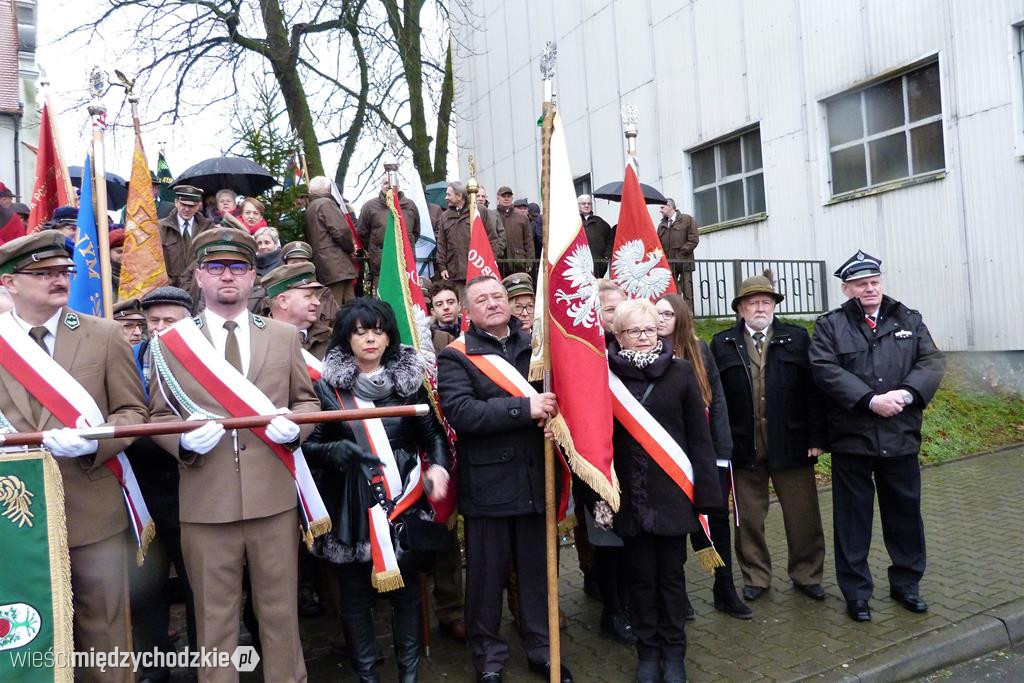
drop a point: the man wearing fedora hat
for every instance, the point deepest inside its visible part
(177, 230)
(876, 362)
(778, 431)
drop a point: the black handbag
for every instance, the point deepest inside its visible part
(419, 535)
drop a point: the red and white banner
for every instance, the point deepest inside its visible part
(481, 258)
(240, 398)
(568, 296)
(314, 366)
(71, 404)
(638, 260)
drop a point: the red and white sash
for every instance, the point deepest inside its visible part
(240, 397)
(68, 401)
(370, 434)
(314, 365)
(658, 443)
(508, 379)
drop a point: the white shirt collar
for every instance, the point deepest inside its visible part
(767, 331)
(181, 223)
(51, 327)
(219, 336)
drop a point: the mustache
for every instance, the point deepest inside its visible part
(58, 290)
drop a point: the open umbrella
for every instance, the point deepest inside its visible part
(613, 193)
(228, 173)
(117, 187)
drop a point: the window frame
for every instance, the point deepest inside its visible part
(1016, 55)
(867, 138)
(721, 180)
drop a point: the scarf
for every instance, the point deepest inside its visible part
(373, 386)
(642, 359)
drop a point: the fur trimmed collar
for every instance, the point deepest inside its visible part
(405, 370)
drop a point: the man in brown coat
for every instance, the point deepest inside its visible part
(238, 502)
(373, 222)
(331, 239)
(452, 232)
(678, 234)
(177, 230)
(35, 271)
(518, 234)
(490, 217)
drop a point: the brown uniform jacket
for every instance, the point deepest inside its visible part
(679, 238)
(178, 257)
(452, 232)
(96, 355)
(518, 239)
(330, 237)
(373, 221)
(213, 487)
(317, 338)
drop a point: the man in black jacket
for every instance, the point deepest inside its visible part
(875, 360)
(501, 480)
(778, 431)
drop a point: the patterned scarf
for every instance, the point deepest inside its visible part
(641, 359)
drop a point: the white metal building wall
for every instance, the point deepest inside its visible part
(953, 247)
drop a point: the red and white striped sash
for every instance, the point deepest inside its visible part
(658, 443)
(385, 480)
(73, 407)
(314, 365)
(240, 398)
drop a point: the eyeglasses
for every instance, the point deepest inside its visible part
(57, 274)
(218, 268)
(637, 332)
(665, 315)
(523, 308)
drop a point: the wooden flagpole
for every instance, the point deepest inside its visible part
(547, 66)
(97, 84)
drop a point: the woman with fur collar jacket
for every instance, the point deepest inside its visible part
(366, 359)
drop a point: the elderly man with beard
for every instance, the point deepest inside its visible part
(501, 477)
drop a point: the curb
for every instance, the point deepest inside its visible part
(993, 629)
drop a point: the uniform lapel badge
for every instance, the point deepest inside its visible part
(198, 320)
(259, 322)
(903, 334)
(71, 321)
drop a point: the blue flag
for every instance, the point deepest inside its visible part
(86, 293)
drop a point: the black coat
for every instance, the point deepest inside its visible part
(651, 501)
(501, 449)
(851, 364)
(346, 493)
(796, 417)
(601, 238)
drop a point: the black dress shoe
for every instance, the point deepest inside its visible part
(488, 677)
(811, 590)
(910, 601)
(617, 627)
(544, 668)
(858, 610)
(753, 592)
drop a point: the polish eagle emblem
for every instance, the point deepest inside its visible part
(583, 302)
(640, 273)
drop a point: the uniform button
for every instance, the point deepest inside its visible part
(879, 379)
(884, 451)
(515, 412)
(242, 447)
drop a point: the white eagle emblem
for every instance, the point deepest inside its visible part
(583, 302)
(640, 274)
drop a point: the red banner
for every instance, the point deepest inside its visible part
(481, 258)
(638, 260)
(52, 187)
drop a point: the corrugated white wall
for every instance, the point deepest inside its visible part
(953, 247)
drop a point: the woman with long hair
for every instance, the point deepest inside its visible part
(675, 323)
(370, 469)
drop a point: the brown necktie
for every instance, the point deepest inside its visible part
(759, 342)
(232, 352)
(39, 334)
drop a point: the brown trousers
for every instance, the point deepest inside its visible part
(343, 291)
(805, 540)
(99, 582)
(215, 555)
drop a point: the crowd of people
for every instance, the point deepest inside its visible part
(296, 328)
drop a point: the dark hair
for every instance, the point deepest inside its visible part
(367, 312)
(685, 343)
(442, 286)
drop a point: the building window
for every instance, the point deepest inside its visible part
(886, 132)
(728, 179)
(582, 184)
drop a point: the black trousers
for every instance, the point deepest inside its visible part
(855, 479)
(491, 544)
(718, 525)
(657, 595)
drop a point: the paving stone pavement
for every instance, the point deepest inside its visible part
(972, 511)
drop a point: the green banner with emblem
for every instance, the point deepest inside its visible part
(35, 571)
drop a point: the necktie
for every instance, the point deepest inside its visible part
(870, 319)
(759, 342)
(232, 352)
(185, 228)
(39, 334)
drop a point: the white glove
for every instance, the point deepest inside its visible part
(203, 439)
(282, 430)
(65, 443)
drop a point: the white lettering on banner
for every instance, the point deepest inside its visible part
(244, 658)
(477, 260)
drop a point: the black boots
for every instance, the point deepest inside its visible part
(726, 598)
(617, 627)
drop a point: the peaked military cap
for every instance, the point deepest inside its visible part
(518, 284)
(128, 308)
(229, 244)
(65, 215)
(858, 266)
(167, 295)
(188, 193)
(290, 276)
(39, 250)
(297, 250)
(504, 189)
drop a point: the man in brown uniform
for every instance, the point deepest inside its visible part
(35, 271)
(238, 502)
(292, 295)
(373, 223)
(679, 237)
(301, 252)
(177, 230)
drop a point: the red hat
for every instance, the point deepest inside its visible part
(116, 238)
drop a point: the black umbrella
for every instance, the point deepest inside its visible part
(613, 193)
(117, 187)
(228, 173)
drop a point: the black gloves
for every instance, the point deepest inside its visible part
(345, 454)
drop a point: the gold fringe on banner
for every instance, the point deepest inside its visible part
(582, 467)
(389, 580)
(709, 559)
(148, 534)
(60, 568)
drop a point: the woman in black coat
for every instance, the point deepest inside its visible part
(675, 322)
(365, 359)
(655, 515)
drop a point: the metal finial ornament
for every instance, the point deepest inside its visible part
(630, 119)
(98, 82)
(548, 59)
(394, 146)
